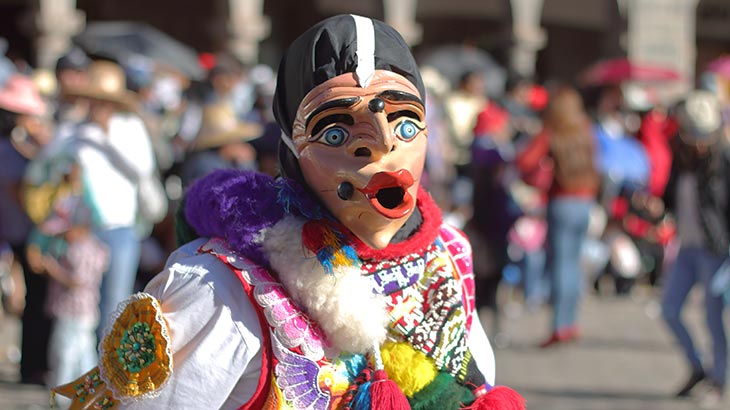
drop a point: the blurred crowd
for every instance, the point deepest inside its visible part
(562, 189)
(597, 186)
(94, 159)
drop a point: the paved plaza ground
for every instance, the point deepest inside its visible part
(625, 359)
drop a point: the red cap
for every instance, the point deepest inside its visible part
(491, 119)
(538, 98)
(207, 60)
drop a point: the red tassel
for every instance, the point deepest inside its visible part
(313, 235)
(499, 398)
(386, 395)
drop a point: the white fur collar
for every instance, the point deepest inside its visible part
(352, 317)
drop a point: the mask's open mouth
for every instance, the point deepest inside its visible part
(388, 193)
(390, 198)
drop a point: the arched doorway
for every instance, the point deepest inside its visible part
(578, 34)
(288, 19)
(713, 37)
(17, 27)
(486, 25)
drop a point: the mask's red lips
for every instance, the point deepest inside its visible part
(388, 193)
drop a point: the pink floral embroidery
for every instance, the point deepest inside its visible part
(291, 327)
(460, 249)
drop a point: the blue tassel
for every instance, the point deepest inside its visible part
(287, 196)
(362, 401)
(325, 258)
(295, 200)
(351, 254)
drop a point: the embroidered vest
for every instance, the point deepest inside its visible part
(430, 301)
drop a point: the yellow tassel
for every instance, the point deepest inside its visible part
(410, 369)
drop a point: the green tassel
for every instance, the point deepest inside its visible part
(442, 393)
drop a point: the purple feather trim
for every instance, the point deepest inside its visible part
(234, 205)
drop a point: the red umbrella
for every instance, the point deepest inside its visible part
(619, 70)
(720, 66)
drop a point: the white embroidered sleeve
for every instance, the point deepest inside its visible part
(214, 331)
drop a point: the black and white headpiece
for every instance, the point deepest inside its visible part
(340, 44)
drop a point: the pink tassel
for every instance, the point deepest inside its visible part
(499, 398)
(386, 395)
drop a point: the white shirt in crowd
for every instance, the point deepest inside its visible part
(113, 195)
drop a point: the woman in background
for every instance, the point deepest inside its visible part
(566, 141)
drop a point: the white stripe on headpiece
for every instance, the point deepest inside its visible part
(365, 32)
(365, 50)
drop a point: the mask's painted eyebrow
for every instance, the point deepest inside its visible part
(332, 119)
(398, 96)
(341, 103)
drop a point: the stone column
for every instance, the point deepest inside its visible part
(247, 26)
(528, 36)
(662, 32)
(57, 22)
(401, 15)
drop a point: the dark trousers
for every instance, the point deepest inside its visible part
(36, 324)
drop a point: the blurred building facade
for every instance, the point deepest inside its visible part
(549, 38)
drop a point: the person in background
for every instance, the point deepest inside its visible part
(524, 100)
(622, 160)
(647, 221)
(71, 73)
(518, 100)
(68, 111)
(22, 134)
(698, 193)
(440, 171)
(223, 143)
(461, 106)
(225, 84)
(493, 216)
(6, 65)
(115, 153)
(12, 285)
(266, 145)
(229, 84)
(75, 273)
(567, 141)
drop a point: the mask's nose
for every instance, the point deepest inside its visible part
(377, 138)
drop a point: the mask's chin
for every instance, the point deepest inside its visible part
(377, 216)
(379, 239)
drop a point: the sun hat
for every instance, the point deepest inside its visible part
(107, 82)
(221, 126)
(699, 118)
(20, 95)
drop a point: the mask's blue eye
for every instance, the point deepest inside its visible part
(334, 136)
(407, 129)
